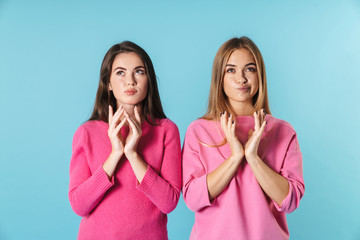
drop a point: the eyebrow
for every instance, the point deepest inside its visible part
(119, 68)
(139, 67)
(126, 69)
(232, 65)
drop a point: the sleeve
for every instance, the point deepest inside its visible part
(164, 189)
(86, 189)
(195, 190)
(292, 170)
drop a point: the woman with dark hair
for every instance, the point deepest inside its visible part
(242, 168)
(125, 170)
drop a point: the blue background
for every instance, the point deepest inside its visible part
(50, 57)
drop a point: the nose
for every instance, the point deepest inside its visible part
(241, 78)
(131, 81)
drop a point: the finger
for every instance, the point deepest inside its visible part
(137, 115)
(257, 122)
(233, 127)
(114, 114)
(136, 123)
(115, 119)
(111, 114)
(118, 127)
(257, 135)
(119, 110)
(223, 121)
(262, 128)
(132, 124)
(229, 122)
(262, 116)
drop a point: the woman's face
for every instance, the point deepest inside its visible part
(128, 79)
(241, 78)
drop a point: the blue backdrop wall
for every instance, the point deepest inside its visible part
(50, 56)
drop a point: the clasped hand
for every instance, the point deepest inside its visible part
(228, 125)
(120, 145)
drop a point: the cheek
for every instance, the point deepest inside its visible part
(144, 88)
(116, 86)
(227, 85)
(255, 84)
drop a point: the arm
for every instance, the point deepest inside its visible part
(219, 178)
(292, 170)
(163, 188)
(116, 139)
(273, 184)
(194, 189)
(86, 188)
(286, 188)
(199, 186)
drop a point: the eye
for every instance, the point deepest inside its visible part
(139, 71)
(120, 73)
(250, 69)
(230, 70)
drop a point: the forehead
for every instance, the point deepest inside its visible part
(241, 56)
(127, 60)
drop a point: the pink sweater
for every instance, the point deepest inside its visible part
(242, 210)
(121, 208)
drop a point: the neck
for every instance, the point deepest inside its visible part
(242, 108)
(129, 108)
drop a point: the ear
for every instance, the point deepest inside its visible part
(110, 88)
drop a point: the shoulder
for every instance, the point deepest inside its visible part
(167, 123)
(279, 125)
(167, 127)
(200, 127)
(90, 128)
(198, 123)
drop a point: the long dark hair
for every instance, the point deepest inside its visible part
(151, 105)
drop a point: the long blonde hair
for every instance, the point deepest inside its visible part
(218, 101)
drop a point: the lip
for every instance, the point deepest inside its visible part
(130, 92)
(243, 89)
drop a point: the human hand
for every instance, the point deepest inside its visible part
(228, 125)
(116, 139)
(251, 146)
(135, 133)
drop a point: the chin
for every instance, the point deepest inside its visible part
(134, 102)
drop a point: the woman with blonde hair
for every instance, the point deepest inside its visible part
(125, 170)
(242, 167)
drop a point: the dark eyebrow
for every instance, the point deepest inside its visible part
(139, 67)
(119, 68)
(230, 65)
(250, 64)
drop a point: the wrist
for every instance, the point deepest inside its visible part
(251, 158)
(131, 155)
(237, 157)
(116, 154)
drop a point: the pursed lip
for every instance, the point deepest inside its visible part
(243, 88)
(130, 91)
